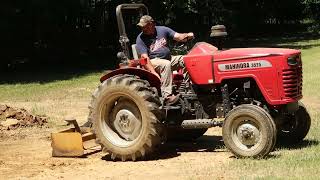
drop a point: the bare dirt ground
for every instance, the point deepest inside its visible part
(25, 153)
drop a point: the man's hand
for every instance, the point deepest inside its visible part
(155, 73)
(190, 35)
(183, 37)
(149, 66)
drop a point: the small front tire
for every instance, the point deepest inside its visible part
(249, 131)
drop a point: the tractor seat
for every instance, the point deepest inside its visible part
(134, 51)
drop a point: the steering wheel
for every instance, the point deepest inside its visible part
(182, 48)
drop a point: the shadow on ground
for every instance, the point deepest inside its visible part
(175, 148)
(205, 143)
(303, 144)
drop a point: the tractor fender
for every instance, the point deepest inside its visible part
(141, 73)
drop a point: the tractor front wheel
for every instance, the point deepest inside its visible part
(249, 131)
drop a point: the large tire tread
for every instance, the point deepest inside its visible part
(152, 138)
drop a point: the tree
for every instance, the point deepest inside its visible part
(312, 11)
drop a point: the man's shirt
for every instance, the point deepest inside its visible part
(156, 46)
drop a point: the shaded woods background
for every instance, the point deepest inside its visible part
(44, 31)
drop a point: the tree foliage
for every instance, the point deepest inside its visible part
(61, 27)
(312, 11)
(238, 15)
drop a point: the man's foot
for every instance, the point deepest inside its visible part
(172, 99)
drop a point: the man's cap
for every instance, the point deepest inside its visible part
(144, 20)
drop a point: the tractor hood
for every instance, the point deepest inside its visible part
(244, 53)
(205, 49)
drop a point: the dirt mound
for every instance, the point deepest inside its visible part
(12, 118)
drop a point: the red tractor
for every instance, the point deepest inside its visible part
(255, 91)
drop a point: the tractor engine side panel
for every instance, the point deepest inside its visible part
(263, 70)
(266, 71)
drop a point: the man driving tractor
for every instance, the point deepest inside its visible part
(152, 44)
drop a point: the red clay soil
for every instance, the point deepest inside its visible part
(20, 116)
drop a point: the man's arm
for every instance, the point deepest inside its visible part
(183, 37)
(149, 66)
(143, 51)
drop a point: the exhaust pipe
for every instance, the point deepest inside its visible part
(200, 123)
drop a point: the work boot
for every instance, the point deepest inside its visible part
(172, 99)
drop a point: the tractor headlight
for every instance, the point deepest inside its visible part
(292, 61)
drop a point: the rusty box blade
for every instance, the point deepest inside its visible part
(72, 144)
(74, 141)
(67, 144)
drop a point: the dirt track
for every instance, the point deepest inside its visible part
(26, 153)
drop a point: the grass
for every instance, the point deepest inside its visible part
(76, 87)
(69, 93)
(57, 97)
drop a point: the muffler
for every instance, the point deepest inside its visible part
(200, 123)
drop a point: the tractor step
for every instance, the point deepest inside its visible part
(170, 107)
(200, 123)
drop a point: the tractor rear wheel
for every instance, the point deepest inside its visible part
(296, 127)
(249, 131)
(126, 117)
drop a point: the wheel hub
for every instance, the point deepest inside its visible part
(127, 124)
(248, 134)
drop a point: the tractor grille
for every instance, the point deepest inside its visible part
(292, 82)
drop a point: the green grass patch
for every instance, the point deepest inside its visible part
(75, 87)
